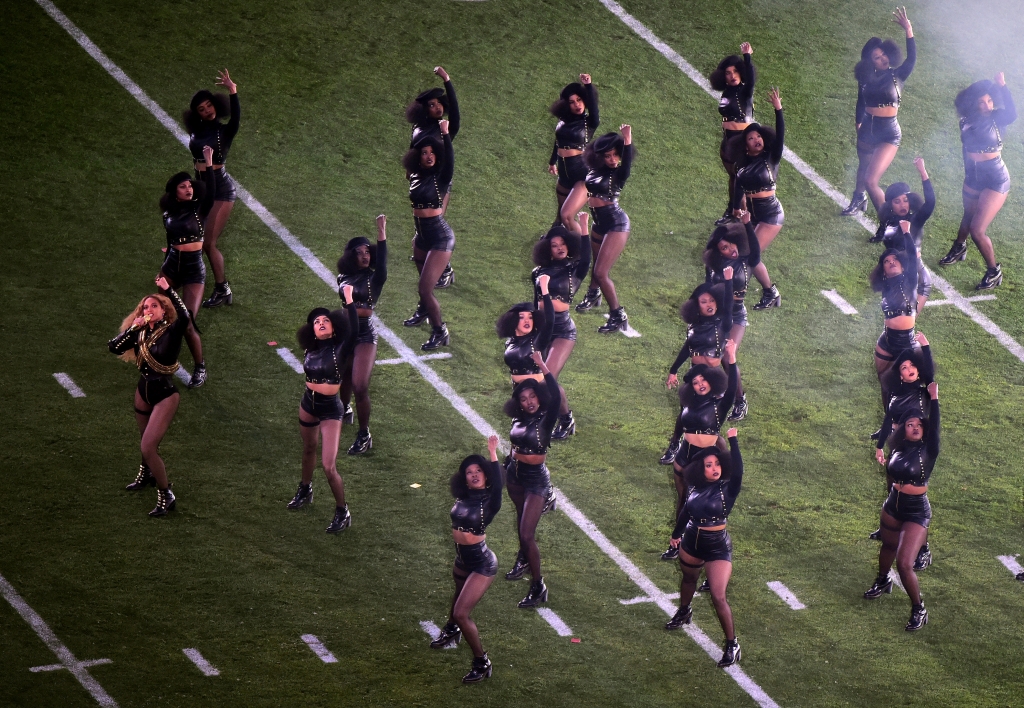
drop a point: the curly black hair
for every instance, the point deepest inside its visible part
(736, 148)
(899, 435)
(542, 249)
(966, 101)
(717, 78)
(690, 309)
(347, 263)
(593, 154)
(411, 159)
(513, 409)
(877, 276)
(307, 339)
(735, 233)
(693, 472)
(416, 112)
(715, 376)
(506, 324)
(169, 199)
(457, 484)
(865, 67)
(190, 117)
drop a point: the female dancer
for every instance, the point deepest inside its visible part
(895, 277)
(986, 180)
(906, 513)
(534, 410)
(702, 539)
(477, 490)
(364, 266)
(151, 336)
(202, 119)
(880, 76)
(425, 114)
(902, 204)
(186, 206)
(708, 312)
(526, 331)
(735, 78)
(558, 256)
(706, 396)
(578, 118)
(758, 152)
(429, 166)
(327, 337)
(609, 158)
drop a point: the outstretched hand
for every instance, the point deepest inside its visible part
(627, 134)
(492, 447)
(727, 273)
(382, 224)
(585, 79)
(745, 48)
(542, 282)
(439, 70)
(225, 81)
(443, 124)
(919, 164)
(161, 282)
(773, 96)
(900, 18)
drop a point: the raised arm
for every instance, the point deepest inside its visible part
(126, 339)
(495, 478)
(209, 183)
(904, 69)
(590, 101)
(727, 302)
(583, 264)
(732, 490)
(543, 338)
(749, 76)
(448, 168)
(454, 117)
(231, 129)
(622, 173)
(925, 212)
(1008, 113)
(380, 268)
(780, 127)
(934, 424)
(755, 246)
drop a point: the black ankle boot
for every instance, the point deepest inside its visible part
(538, 594)
(730, 653)
(221, 295)
(671, 554)
(550, 503)
(198, 375)
(481, 670)
(348, 416)
(924, 558)
(670, 453)
(617, 321)
(881, 586)
(769, 298)
(342, 520)
(363, 443)
(303, 496)
(417, 317)
(858, 203)
(957, 252)
(446, 278)
(739, 409)
(993, 278)
(918, 618)
(439, 337)
(164, 502)
(142, 479)
(705, 586)
(682, 616)
(876, 535)
(449, 637)
(590, 301)
(519, 569)
(565, 427)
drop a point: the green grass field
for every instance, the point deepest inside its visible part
(323, 88)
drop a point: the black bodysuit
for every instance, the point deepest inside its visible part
(710, 505)
(519, 349)
(427, 189)
(367, 283)
(157, 349)
(912, 462)
(324, 363)
(566, 278)
(704, 415)
(474, 512)
(575, 133)
(706, 336)
(185, 222)
(607, 182)
(760, 172)
(882, 88)
(217, 135)
(737, 102)
(531, 434)
(432, 127)
(980, 133)
(899, 293)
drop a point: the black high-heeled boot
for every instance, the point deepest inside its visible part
(565, 427)
(918, 618)
(446, 278)
(730, 653)
(881, 586)
(682, 616)
(591, 300)
(670, 453)
(769, 298)
(449, 637)
(165, 502)
(519, 569)
(481, 670)
(858, 203)
(538, 594)
(143, 479)
(303, 496)
(417, 317)
(221, 295)
(439, 337)
(341, 521)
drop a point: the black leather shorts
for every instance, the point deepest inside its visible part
(912, 508)
(433, 234)
(895, 341)
(875, 130)
(565, 328)
(987, 174)
(223, 185)
(609, 218)
(476, 558)
(184, 267)
(739, 313)
(535, 479)
(707, 545)
(766, 210)
(320, 406)
(152, 391)
(570, 171)
(367, 332)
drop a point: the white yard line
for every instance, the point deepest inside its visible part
(421, 357)
(787, 595)
(290, 359)
(962, 303)
(895, 577)
(203, 665)
(837, 300)
(183, 376)
(67, 659)
(1011, 564)
(972, 298)
(555, 621)
(58, 667)
(69, 385)
(319, 649)
(644, 598)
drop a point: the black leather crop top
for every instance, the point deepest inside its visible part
(519, 350)
(892, 235)
(427, 189)
(710, 505)
(323, 364)
(367, 283)
(432, 127)
(607, 183)
(899, 293)
(157, 349)
(566, 277)
(185, 222)
(705, 414)
(531, 435)
(912, 462)
(908, 396)
(706, 336)
(760, 172)
(983, 133)
(575, 133)
(217, 135)
(737, 102)
(474, 512)
(882, 88)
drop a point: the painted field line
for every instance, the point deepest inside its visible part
(644, 598)
(69, 385)
(183, 376)
(67, 659)
(895, 577)
(433, 631)
(962, 303)
(1011, 564)
(290, 359)
(407, 354)
(787, 595)
(837, 300)
(555, 621)
(205, 666)
(422, 357)
(58, 667)
(972, 298)
(319, 649)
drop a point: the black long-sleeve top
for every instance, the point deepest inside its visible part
(566, 277)
(575, 133)
(427, 189)
(519, 349)
(706, 336)
(160, 345)
(367, 283)
(607, 182)
(185, 222)
(217, 135)
(912, 462)
(531, 434)
(742, 267)
(882, 88)
(893, 237)
(705, 414)
(737, 102)
(324, 363)
(760, 172)
(474, 512)
(899, 293)
(908, 396)
(980, 133)
(710, 505)
(432, 127)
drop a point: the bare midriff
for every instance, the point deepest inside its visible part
(529, 459)
(324, 389)
(882, 111)
(189, 247)
(465, 538)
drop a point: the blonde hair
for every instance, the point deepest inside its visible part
(170, 314)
